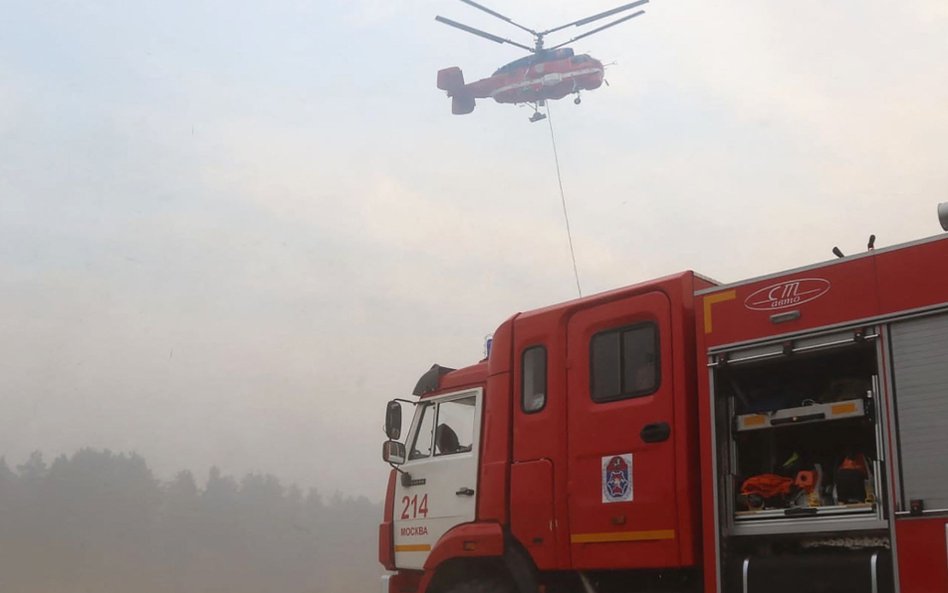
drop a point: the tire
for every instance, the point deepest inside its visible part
(484, 585)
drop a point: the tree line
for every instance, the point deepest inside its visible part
(100, 522)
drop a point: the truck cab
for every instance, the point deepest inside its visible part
(572, 448)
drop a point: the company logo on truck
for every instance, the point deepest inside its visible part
(789, 293)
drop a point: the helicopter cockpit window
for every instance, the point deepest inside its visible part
(539, 57)
(516, 64)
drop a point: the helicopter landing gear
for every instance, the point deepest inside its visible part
(577, 100)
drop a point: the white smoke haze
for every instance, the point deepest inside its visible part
(230, 231)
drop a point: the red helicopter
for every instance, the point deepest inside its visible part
(545, 75)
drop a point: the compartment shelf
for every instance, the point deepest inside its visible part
(817, 412)
(806, 512)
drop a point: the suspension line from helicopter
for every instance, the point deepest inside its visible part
(559, 179)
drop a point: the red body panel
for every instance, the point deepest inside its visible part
(471, 540)
(855, 288)
(923, 554)
(386, 543)
(905, 284)
(467, 377)
(709, 528)
(688, 467)
(540, 436)
(531, 495)
(494, 478)
(841, 291)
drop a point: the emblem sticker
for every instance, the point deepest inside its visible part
(617, 478)
(787, 294)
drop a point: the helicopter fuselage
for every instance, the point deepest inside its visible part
(544, 77)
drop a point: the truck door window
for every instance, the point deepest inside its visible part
(455, 432)
(533, 388)
(421, 446)
(624, 363)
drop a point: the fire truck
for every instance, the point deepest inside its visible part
(782, 433)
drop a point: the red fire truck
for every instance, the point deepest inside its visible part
(783, 433)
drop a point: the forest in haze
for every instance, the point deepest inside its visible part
(100, 522)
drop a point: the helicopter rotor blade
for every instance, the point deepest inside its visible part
(498, 15)
(595, 17)
(598, 29)
(479, 33)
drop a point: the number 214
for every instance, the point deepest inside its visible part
(418, 509)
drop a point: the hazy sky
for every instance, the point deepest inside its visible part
(229, 231)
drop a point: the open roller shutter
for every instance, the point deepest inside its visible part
(920, 364)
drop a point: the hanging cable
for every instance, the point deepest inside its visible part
(559, 179)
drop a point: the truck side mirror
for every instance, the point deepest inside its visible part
(393, 452)
(393, 420)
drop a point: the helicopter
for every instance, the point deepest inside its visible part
(547, 74)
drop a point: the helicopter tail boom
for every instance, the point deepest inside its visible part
(452, 81)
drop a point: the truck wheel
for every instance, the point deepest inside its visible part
(482, 586)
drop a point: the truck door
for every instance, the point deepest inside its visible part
(441, 489)
(621, 450)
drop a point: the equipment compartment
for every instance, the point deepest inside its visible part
(802, 438)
